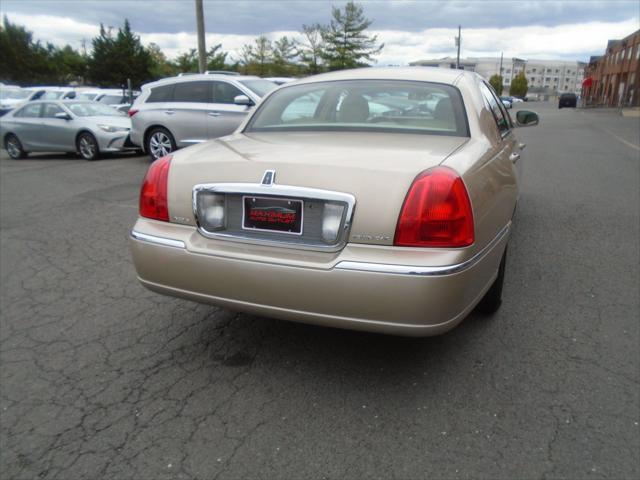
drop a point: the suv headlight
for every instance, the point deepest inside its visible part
(112, 129)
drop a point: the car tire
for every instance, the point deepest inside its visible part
(13, 147)
(87, 146)
(492, 300)
(160, 143)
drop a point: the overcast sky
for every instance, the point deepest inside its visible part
(411, 30)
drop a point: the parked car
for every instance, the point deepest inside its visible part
(280, 80)
(51, 93)
(506, 102)
(115, 97)
(180, 111)
(88, 128)
(10, 97)
(568, 100)
(84, 93)
(389, 222)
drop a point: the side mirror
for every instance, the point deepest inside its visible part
(62, 116)
(243, 100)
(527, 118)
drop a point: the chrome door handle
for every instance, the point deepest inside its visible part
(213, 114)
(169, 112)
(514, 157)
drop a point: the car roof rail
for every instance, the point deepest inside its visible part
(184, 74)
(221, 72)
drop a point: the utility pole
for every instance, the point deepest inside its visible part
(500, 72)
(202, 49)
(458, 41)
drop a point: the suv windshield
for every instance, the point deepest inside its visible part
(364, 105)
(259, 87)
(93, 109)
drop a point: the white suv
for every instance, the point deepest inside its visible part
(180, 111)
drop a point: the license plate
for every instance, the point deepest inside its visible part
(281, 215)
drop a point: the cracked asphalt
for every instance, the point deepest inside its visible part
(100, 378)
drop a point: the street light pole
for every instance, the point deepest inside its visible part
(202, 49)
(458, 41)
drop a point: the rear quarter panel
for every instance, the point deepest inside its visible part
(485, 167)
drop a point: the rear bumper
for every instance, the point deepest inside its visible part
(351, 290)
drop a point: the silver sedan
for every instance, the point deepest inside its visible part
(87, 128)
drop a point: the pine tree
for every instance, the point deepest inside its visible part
(347, 44)
(312, 48)
(117, 58)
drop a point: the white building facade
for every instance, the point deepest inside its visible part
(544, 76)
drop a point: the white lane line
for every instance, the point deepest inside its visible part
(629, 144)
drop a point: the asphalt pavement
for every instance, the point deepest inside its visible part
(100, 378)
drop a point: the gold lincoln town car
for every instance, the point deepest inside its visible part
(376, 199)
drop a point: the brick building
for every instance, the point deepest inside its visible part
(613, 79)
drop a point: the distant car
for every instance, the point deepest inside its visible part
(84, 93)
(51, 93)
(10, 97)
(280, 80)
(506, 102)
(389, 220)
(568, 100)
(177, 112)
(88, 128)
(115, 97)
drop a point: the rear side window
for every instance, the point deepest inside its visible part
(224, 92)
(494, 105)
(30, 111)
(160, 94)
(192, 92)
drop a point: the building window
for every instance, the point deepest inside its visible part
(548, 79)
(638, 52)
(506, 81)
(533, 70)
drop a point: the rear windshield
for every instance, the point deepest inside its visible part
(364, 105)
(259, 87)
(92, 109)
(87, 96)
(112, 99)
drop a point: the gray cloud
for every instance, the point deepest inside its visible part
(251, 17)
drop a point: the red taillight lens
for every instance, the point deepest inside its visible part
(132, 111)
(153, 194)
(437, 212)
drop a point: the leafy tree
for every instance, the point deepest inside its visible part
(187, 62)
(519, 86)
(496, 82)
(312, 47)
(116, 58)
(160, 66)
(257, 58)
(347, 45)
(216, 58)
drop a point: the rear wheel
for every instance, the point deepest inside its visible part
(88, 146)
(14, 147)
(493, 298)
(160, 143)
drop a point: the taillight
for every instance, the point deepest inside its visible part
(436, 212)
(132, 112)
(153, 194)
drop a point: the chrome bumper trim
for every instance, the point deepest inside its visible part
(424, 271)
(165, 242)
(367, 266)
